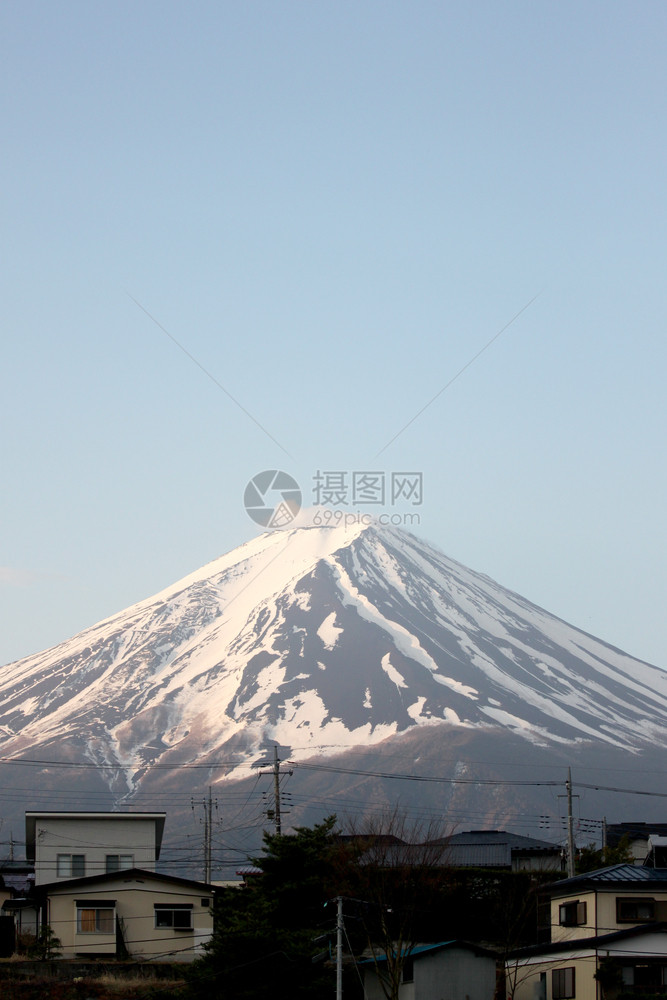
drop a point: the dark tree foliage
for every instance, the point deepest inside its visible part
(590, 858)
(264, 940)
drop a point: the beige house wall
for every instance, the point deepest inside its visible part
(134, 907)
(95, 839)
(601, 913)
(524, 977)
(607, 908)
(559, 933)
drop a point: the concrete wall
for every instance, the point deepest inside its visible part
(95, 839)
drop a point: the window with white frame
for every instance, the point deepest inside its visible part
(562, 983)
(95, 916)
(119, 862)
(175, 915)
(71, 865)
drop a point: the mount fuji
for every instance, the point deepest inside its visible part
(329, 640)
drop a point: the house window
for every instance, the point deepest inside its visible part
(572, 914)
(175, 915)
(562, 983)
(117, 862)
(648, 976)
(95, 920)
(71, 865)
(634, 911)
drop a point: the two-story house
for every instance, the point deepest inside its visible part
(614, 918)
(97, 889)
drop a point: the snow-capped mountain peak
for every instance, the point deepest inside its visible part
(325, 636)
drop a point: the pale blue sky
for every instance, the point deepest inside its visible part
(333, 206)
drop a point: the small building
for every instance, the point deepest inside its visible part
(448, 970)
(500, 849)
(134, 914)
(65, 845)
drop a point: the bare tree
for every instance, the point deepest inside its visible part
(399, 875)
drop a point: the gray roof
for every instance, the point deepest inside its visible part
(627, 875)
(479, 856)
(139, 875)
(515, 841)
(491, 848)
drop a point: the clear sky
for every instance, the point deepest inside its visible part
(333, 207)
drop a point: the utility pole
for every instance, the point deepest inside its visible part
(339, 948)
(207, 803)
(274, 813)
(276, 789)
(570, 826)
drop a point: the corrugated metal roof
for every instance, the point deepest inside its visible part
(615, 874)
(479, 855)
(516, 841)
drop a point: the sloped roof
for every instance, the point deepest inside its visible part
(423, 949)
(615, 875)
(124, 875)
(515, 841)
(491, 848)
(583, 944)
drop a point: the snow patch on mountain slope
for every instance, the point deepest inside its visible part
(329, 631)
(391, 672)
